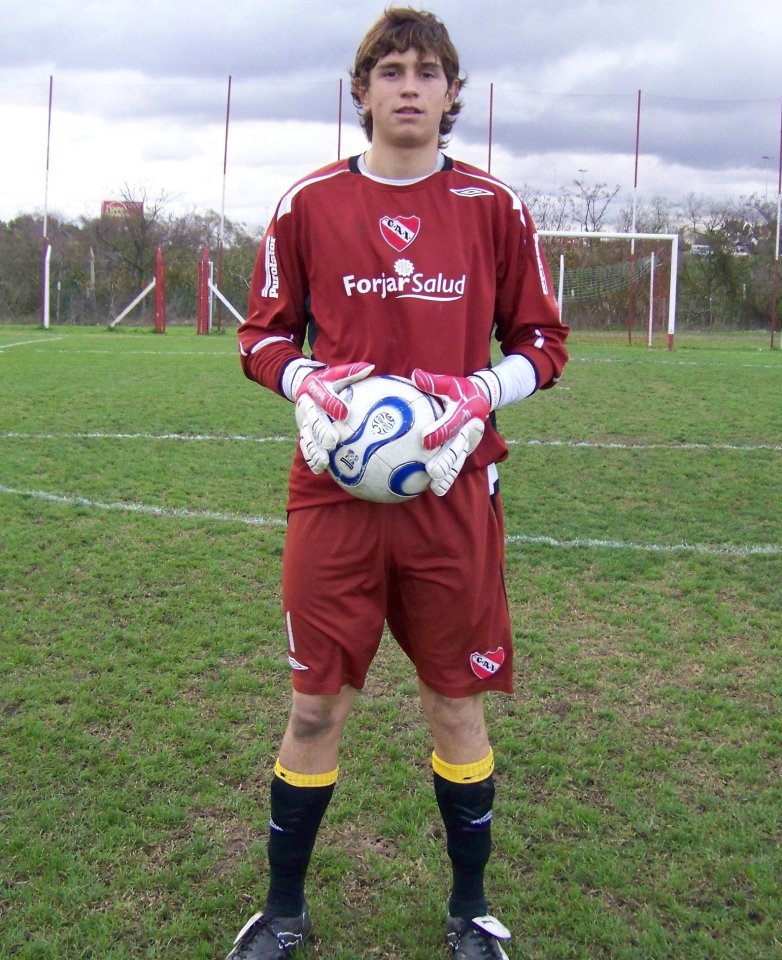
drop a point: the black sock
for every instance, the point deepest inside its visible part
(296, 813)
(466, 811)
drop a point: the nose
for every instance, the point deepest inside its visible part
(409, 85)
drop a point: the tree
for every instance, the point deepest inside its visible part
(20, 267)
(589, 204)
(99, 264)
(549, 211)
(129, 244)
(655, 215)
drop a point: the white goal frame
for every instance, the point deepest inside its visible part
(672, 238)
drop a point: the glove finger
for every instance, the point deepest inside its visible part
(446, 466)
(316, 434)
(321, 429)
(443, 430)
(317, 458)
(303, 410)
(440, 487)
(324, 433)
(424, 380)
(451, 456)
(347, 373)
(322, 396)
(325, 389)
(440, 384)
(474, 431)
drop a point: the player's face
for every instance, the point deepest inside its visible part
(407, 97)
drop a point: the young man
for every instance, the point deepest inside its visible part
(399, 261)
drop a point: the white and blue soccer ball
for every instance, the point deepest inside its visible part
(382, 457)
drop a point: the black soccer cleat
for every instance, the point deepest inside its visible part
(271, 938)
(476, 939)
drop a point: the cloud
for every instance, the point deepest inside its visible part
(140, 94)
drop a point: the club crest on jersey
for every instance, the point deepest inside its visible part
(399, 232)
(485, 665)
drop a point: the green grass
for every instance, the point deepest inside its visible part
(143, 683)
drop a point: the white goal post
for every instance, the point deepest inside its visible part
(672, 238)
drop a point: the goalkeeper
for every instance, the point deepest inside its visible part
(399, 261)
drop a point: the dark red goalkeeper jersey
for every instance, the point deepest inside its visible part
(403, 276)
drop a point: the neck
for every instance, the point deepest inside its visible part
(400, 163)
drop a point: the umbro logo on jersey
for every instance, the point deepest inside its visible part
(399, 232)
(472, 192)
(485, 665)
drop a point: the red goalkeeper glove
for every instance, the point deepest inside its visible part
(315, 391)
(459, 430)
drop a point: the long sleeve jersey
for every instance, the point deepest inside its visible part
(420, 274)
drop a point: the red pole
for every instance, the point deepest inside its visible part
(491, 121)
(160, 291)
(221, 240)
(775, 269)
(631, 289)
(46, 247)
(339, 121)
(637, 140)
(202, 325)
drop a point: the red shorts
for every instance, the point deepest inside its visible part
(432, 568)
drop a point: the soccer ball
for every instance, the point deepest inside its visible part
(382, 457)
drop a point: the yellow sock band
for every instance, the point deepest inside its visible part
(306, 779)
(464, 772)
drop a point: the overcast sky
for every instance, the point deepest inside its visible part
(140, 92)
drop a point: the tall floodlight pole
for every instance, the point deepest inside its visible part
(46, 250)
(631, 288)
(775, 273)
(637, 147)
(339, 120)
(491, 123)
(221, 239)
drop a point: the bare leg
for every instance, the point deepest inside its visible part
(311, 741)
(458, 726)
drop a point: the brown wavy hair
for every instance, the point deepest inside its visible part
(399, 29)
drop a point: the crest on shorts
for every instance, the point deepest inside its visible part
(485, 665)
(399, 232)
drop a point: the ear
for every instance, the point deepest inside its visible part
(451, 95)
(361, 92)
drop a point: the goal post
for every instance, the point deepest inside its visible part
(158, 284)
(630, 239)
(206, 291)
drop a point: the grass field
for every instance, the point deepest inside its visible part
(143, 682)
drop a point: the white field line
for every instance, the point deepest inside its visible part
(616, 445)
(280, 438)
(231, 355)
(732, 550)
(664, 361)
(95, 435)
(172, 353)
(707, 549)
(143, 508)
(24, 343)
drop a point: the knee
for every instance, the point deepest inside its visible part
(314, 720)
(458, 726)
(457, 718)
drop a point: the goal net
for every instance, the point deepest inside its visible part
(612, 285)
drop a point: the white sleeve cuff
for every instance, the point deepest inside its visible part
(295, 371)
(514, 378)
